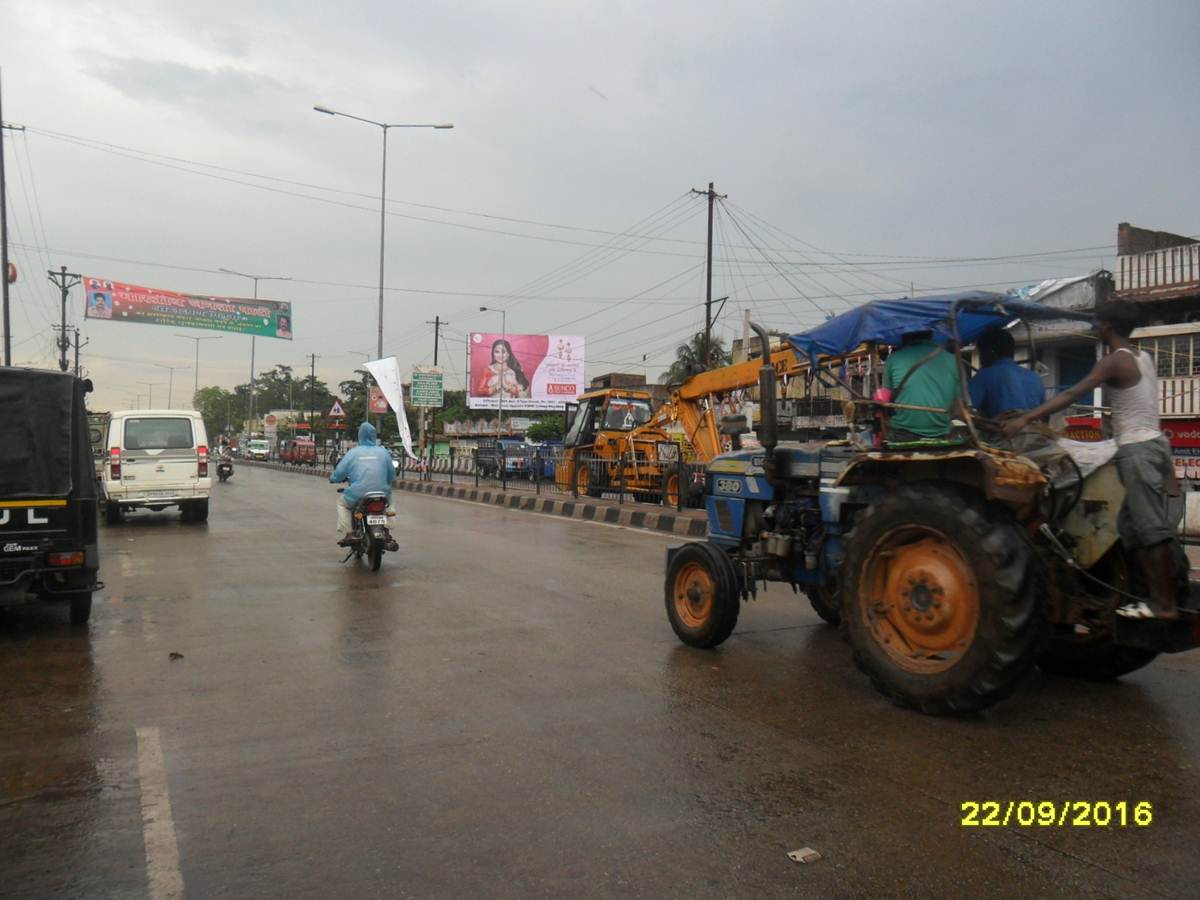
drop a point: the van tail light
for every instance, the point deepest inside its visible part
(202, 465)
(114, 457)
(376, 506)
(64, 559)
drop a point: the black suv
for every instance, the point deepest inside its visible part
(48, 500)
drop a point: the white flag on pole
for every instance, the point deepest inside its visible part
(386, 373)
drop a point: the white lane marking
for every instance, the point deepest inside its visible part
(158, 828)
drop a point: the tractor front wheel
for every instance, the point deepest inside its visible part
(938, 599)
(702, 595)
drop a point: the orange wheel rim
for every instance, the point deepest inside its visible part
(582, 477)
(694, 590)
(673, 490)
(919, 599)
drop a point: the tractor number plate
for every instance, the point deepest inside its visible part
(729, 486)
(376, 520)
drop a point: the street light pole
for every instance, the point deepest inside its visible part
(150, 393)
(256, 279)
(171, 382)
(503, 337)
(384, 126)
(196, 382)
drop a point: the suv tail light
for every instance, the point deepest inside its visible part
(114, 458)
(65, 559)
(376, 506)
(202, 464)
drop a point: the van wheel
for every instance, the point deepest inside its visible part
(113, 514)
(81, 607)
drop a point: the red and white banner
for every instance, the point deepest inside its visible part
(530, 371)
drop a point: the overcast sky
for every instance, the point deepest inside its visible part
(891, 136)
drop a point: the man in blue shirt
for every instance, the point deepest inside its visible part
(1002, 386)
(368, 469)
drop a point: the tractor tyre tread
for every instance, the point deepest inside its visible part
(1013, 626)
(726, 599)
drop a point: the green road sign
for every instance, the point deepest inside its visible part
(427, 386)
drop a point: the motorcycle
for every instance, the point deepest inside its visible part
(370, 536)
(225, 468)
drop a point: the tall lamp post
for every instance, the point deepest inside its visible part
(171, 382)
(256, 279)
(150, 385)
(196, 382)
(503, 337)
(383, 126)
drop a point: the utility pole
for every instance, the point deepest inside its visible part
(62, 279)
(312, 384)
(77, 348)
(4, 263)
(708, 317)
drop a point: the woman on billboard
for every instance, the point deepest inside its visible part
(504, 374)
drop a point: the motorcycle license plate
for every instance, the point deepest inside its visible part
(376, 520)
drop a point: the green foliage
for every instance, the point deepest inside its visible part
(689, 359)
(219, 407)
(551, 428)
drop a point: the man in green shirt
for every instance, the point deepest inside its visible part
(921, 373)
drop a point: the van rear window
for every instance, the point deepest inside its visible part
(158, 434)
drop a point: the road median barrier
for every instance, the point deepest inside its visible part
(644, 516)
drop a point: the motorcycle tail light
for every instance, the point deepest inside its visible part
(376, 507)
(114, 456)
(202, 461)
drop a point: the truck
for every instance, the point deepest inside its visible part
(952, 567)
(49, 506)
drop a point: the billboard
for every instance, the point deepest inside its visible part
(532, 371)
(119, 302)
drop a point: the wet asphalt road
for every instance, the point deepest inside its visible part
(504, 711)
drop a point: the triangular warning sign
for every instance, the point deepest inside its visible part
(337, 412)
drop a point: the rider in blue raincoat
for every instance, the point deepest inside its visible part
(367, 468)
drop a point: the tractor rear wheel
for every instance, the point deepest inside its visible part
(938, 599)
(702, 595)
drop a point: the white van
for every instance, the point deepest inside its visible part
(156, 458)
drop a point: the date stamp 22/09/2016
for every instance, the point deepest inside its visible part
(1056, 814)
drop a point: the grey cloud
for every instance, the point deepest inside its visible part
(176, 83)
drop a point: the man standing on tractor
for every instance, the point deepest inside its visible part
(1143, 455)
(921, 373)
(1002, 386)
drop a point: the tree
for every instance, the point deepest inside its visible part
(689, 359)
(219, 407)
(551, 428)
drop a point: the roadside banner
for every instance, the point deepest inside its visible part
(532, 371)
(120, 302)
(386, 373)
(377, 404)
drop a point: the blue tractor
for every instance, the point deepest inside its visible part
(952, 567)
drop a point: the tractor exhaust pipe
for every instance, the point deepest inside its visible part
(768, 431)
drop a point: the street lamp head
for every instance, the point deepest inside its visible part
(325, 109)
(483, 309)
(445, 125)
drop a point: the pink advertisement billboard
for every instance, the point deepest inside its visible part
(530, 371)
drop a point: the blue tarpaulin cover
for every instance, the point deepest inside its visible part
(885, 321)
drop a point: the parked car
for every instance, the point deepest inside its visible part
(156, 459)
(492, 450)
(48, 498)
(259, 448)
(301, 451)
